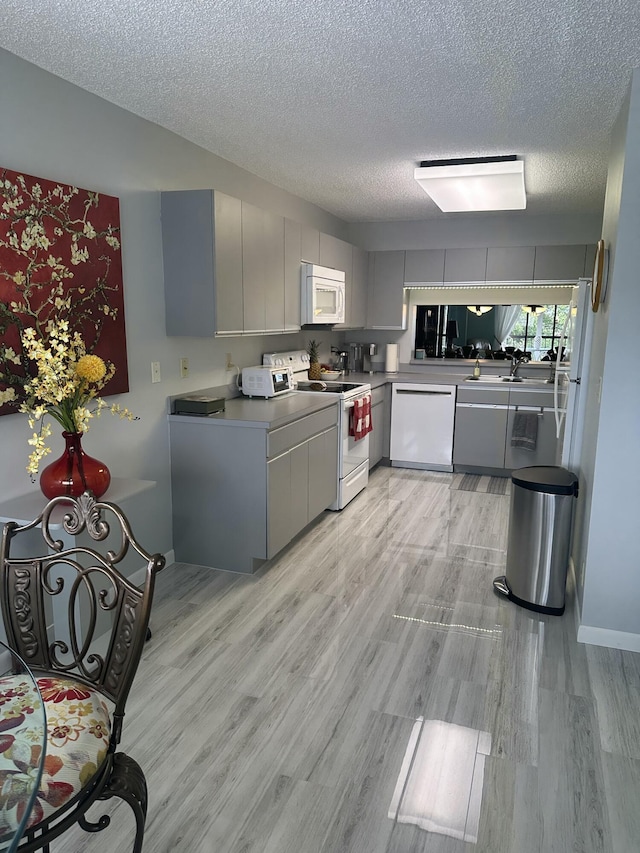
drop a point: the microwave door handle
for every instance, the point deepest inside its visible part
(341, 301)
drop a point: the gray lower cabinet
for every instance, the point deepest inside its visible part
(480, 428)
(381, 420)
(538, 404)
(375, 439)
(241, 493)
(301, 483)
(484, 428)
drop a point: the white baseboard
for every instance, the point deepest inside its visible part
(606, 637)
(610, 639)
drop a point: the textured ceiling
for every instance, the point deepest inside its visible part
(338, 100)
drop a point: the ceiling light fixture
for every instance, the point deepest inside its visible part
(534, 309)
(467, 184)
(479, 309)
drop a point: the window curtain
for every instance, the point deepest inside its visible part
(506, 316)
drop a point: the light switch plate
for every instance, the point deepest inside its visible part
(155, 371)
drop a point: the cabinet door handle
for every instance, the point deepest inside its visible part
(481, 406)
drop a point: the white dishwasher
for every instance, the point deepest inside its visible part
(422, 419)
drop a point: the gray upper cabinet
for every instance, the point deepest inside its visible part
(338, 255)
(227, 254)
(424, 266)
(465, 265)
(309, 244)
(292, 231)
(274, 292)
(510, 263)
(202, 255)
(262, 269)
(227, 269)
(559, 263)
(356, 315)
(253, 268)
(386, 305)
(335, 253)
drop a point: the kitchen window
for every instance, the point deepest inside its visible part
(538, 333)
(450, 331)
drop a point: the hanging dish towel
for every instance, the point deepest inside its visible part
(525, 430)
(360, 418)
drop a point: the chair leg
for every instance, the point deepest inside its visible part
(128, 782)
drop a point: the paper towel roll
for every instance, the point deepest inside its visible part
(391, 359)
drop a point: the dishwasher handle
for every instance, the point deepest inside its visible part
(426, 391)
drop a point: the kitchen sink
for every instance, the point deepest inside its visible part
(497, 380)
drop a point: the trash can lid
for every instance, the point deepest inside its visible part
(546, 478)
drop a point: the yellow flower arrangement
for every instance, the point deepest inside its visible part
(65, 386)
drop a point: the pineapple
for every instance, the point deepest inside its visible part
(314, 362)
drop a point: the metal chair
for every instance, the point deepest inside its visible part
(81, 627)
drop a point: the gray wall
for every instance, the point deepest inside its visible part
(57, 131)
(476, 230)
(612, 455)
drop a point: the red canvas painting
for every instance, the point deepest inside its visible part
(60, 258)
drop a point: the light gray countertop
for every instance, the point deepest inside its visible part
(278, 411)
(435, 377)
(262, 413)
(431, 378)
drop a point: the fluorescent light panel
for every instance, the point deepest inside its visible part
(491, 183)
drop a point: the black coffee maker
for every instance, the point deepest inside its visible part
(342, 357)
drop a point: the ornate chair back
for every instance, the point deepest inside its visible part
(71, 614)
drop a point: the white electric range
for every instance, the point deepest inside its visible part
(353, 454)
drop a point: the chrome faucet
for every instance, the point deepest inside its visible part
(515, 364)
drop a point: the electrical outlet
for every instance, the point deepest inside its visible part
(155, 371)
(184, 367)
(229, 365)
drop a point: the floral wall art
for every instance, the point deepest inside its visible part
(60, 259)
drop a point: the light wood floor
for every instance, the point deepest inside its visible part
(277, 713)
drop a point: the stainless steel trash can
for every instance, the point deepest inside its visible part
(540, 524)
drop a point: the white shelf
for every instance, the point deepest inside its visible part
(24, 508)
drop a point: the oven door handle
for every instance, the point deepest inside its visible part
(349, 404)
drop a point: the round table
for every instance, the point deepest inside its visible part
(23, 738)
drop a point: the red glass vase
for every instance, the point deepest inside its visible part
(74, 472)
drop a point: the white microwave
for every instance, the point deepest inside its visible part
(266, 381)
(322, 295)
